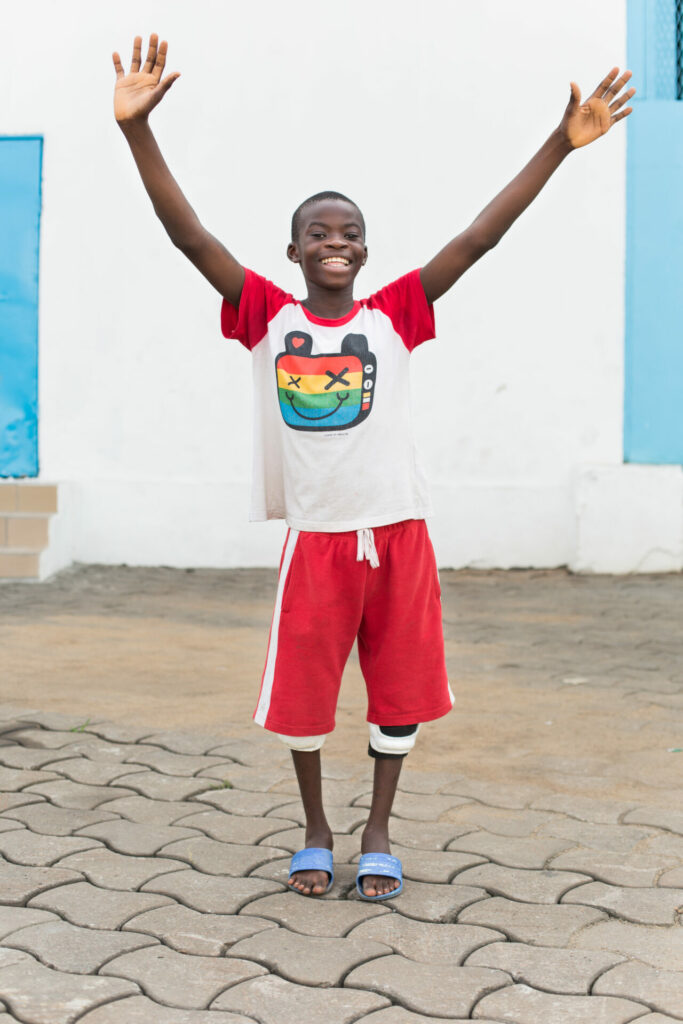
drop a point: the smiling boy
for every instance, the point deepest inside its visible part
(334, 457)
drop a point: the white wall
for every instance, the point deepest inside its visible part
(421, 116)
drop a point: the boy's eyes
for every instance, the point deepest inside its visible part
(352, 235)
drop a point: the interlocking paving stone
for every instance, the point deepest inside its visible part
(541, 886)
(151, 812)
(340, 819)
(43, 996)
(426, 902)
(23, 757)
(56, 821)
(67, 947)
(308, 959)
(14, 918)
(665, 845)
(252, 753)
(273, 1000)
(163, 787)
(644, 906)
(238, 801)
(211, 893)
(671, 878)
(418, 806)
(136, 840)
(110, 870)
(606, 812)
(630, 869)
(25, 847)
(314, 917)
(184, 742)
(188, 931)
(12, 779)
(216, 858)
(500, 821)
(660, 989)
(178, 979)
(174, 764)
(117, 732)
(397, 1015)
(650, 1018)
(433, 865)
(260, 780)
(237, 828)
(512, 852)
(44, 739)
(9, 825)
(497, 794)
(659, 817)
(20, 883)
(91, 773)
(20, 799)
(613, 838)
(568, 971)
(435, 989)
(87, 905)
(523, 1005)
(535, 923)
(653, 944)
(79, 795)
(425, 941)
(141, 1010)
(426, 835)
(57, 720)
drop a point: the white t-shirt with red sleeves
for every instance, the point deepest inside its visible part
(333, 443)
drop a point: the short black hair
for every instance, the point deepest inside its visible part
(317, 198)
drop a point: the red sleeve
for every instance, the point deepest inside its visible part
(405, 303)
(260, 301)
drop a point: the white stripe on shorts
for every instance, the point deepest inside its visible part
(269, 671)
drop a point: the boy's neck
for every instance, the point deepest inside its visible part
(327, 303)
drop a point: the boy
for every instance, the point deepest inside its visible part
(331, 385)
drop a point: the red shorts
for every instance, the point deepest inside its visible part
(326, 599)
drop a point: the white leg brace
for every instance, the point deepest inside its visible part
(305, 743)
(383, 744)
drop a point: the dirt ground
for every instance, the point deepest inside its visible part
(558, 679)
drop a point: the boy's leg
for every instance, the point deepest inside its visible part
(318, 831)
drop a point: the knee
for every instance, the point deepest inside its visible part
(305, 743)
(391, 740)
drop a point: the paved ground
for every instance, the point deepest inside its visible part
(541, 826)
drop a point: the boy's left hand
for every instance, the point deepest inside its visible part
(585, 122)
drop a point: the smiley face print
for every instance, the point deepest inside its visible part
(325, 392)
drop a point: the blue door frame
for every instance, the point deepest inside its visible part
(653, 386)
(20, 203)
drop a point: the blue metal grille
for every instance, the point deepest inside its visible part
(679, 49)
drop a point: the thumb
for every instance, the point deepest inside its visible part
(166, 83)
(574, 97)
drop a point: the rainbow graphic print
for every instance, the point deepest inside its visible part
(325, 392)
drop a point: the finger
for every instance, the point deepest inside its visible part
(137, 56)
(118, 65)
(622, 113)
(166, 83)
(151, 53)
(617, 86)
(160, 61)
(619, 102)
(604, 85)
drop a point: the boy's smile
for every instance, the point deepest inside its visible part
(330, 249)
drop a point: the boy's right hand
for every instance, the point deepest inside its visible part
(137, 93)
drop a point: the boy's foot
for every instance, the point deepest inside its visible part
(376, 840)
(313, 883)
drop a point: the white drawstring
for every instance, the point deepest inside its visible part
(366, 548)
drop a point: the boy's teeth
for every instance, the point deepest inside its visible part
(336, 259)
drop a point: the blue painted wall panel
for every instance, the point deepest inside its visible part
(20, 187)
(653, 397)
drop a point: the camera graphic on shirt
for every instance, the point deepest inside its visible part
(325, 392)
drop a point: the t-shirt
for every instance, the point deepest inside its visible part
(333, 445)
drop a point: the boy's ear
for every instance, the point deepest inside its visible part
(365, 255)
(293, 253)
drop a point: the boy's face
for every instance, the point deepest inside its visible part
(330, 248)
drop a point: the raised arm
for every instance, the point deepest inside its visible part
(581, 124)
(135, 96)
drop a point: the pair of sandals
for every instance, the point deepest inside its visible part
(317, 858)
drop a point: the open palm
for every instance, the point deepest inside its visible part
(584, 122)
(138, 92)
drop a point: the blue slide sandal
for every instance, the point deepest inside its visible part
(313, 858)
(379, 864)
